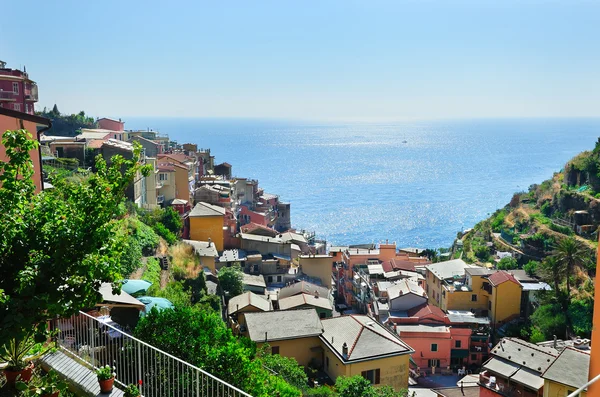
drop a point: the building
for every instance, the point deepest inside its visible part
(290, 333)
(35, 125)
(443, 279)
(516, 368)
(321, 304)
(206, 224)
(111, 124)
(270, 245)
(248, 302)
(594, 388)
(359, 345)
(505, 298)
(224, 170)
(303, 287)
(255, 283)
(17, 91)
(317, 267)
(206, 252)
(567, 373)
(151, 148)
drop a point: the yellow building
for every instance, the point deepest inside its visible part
(206, 252)
(318, 266)
(505, 298)
(248, 302)
(207, 222)
(447, 287)
(343, 346)
(567, 373)
(290, 333)
(359, 345)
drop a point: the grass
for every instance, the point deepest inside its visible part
(152, 272)
(184, 261)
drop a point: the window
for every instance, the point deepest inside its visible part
(162, 177)
(458, 344)
(434, 347)
(474, 298)
(269, 279)
(473, 357)
(444, 293)
(279, 279)
(433, 363)
(274, 349)
(372, 375)
(16, 88)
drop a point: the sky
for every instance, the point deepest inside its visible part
(314, 60)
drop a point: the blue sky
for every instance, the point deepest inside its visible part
(335, 60)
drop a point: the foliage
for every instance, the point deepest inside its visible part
(550, 320)
(536, 336)
(67, 125)
(231, 280)
(175, 292)
(16, 353)
(196, 286)
(497, 220)
(552, 271)
(430, 254)
(105, 373)
(354, 386)
(287, 368)
(168, 218)
(561, 229)
(507, 263)
(165, 233)
(132, 391)
(58, 246)
(202, 339)
(139, 240)
(321, 391)
(42, 385)
(570, 253)
(152, 272)
(580, 315)
(546, 208)
(531, 267)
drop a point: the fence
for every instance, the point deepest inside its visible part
(97, 341)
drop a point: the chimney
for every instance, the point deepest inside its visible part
(316, 294)
(386, 240)
(209, 242)
(345, 351)
(554, 343)
(265, 336)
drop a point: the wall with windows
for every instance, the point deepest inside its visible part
(430, 346)
(302, 349)
(505, 302)
(553, 389)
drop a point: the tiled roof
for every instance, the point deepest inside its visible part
(425, 310)
(526, 354)
(302, 287)
(248, 299)
(170, 166)
(501, 277)
(398, 264)
(283, 324)
(179, 157)
(95, 144)
(115, 143)
(205, 209)
(570, 368)
(252, 227)
(304, 299)
(365, 338)
(254, 280)
(203, 248)
(403, 287)
(448, 269)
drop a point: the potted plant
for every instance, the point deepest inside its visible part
(42, 386)
(132, 391)
(106, 378)
(17, 355)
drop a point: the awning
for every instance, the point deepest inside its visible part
(459, 353)
(411, 361)
(134, 287)
(121, 300)
(159, 303)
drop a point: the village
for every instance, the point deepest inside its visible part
(381, 311)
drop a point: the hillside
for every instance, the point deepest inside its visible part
(551, 232)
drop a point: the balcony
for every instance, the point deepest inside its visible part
(85, 343)
(7, 96)
(31, 94)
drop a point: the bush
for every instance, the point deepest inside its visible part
(531, 267)
(152, 272)
(580, 314)
(231, 280)
(507, 263)
(546, 208)
(550, 319)
(165, 233)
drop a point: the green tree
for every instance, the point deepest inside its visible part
(531, 267)
(552, 271)
(57, 246)
(580, 316)
(172, 220)
(231, 280)
(507, 263)
(287, 368)
(570, 254)
(354, 386)
(550, 320)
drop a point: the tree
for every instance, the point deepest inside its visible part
(580, 315)
(550, 320)
(172, 220)
(570, 254)
(231, 280)
(552, 271)
(57, 246)
(354, 386)
(430, 254)
(507, 263)
(287, 368)
(531, 267)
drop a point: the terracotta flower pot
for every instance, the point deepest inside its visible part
(11, 376)
(106, 386)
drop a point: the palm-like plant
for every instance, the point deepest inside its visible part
(570, 254)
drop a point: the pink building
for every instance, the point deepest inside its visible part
(246, 216)
(111, 124)
(17, 91)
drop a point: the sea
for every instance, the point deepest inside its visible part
(417, 183)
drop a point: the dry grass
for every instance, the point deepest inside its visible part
(184, 261)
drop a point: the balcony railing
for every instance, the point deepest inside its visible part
(97, 342)
(7, 95)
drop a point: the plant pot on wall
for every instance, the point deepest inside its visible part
(106, 386)
(23, 375)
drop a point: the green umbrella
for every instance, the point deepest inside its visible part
(136, 287)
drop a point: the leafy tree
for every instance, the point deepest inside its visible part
(570, 254)
(165, 233)
(580, 315)
(354, 386)
(536, 336)
(57, 246)
(550, 320)
(430, 254)
(531, 267)
(231, 280)
(287, 368)
(172, 220)
(507, 263)
(552, 271)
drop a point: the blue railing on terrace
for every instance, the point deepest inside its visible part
(97, 341)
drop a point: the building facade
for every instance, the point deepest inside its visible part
(17, 91)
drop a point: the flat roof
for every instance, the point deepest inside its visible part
(283, 324)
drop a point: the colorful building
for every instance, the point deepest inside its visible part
(594, 388)
(206, 252)
(248, 302)
(15, 120)
(17, 91)
(505, 299)
(567, 373)
(321, 304)
(206, 224)
(317, 267)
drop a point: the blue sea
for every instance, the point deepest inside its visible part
(416, 183)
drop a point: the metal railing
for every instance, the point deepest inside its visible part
(577, 392)
(97, 341)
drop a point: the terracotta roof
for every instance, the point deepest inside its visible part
(246, 299)
(170, 166)
(252, 227)
(179, 157)
(501, 277)
(398, 264)
(425, 310)
(95, 144)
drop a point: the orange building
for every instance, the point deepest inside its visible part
(594, 388)
(14, 120)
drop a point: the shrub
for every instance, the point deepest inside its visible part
(152, 272)
(165, 233)
(507, 263)
(531, 267)
(549, 319)
(580, 314)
